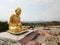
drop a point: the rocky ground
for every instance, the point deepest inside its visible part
(48, 35)
(5, 41)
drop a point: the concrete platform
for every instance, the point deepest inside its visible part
(14, 37)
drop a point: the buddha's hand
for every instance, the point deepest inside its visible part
(20, 24)
(11, 24)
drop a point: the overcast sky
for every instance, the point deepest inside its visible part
(32, 10)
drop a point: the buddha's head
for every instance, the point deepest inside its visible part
(18, 11)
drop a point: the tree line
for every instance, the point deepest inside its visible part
(4, 25)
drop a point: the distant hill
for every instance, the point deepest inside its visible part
(4, 25)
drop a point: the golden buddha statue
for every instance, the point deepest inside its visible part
(14, 22)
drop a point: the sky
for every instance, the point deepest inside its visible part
(32, 10)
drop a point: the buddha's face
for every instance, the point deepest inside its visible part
(18, 11)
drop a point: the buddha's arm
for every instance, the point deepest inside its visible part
(11, 20)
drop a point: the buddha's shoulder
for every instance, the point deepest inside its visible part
(12, 15)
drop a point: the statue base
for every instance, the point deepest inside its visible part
(17, 32)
